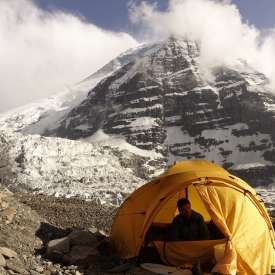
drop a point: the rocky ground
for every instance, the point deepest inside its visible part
(46, 235)
(70, 213)
(40, 234)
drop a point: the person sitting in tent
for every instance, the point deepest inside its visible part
(188, 225)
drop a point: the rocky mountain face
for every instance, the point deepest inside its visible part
(157, 100)
(161, 101)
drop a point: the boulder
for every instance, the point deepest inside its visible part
(7, 252)
(81, 255)
(16, 266)
(83, 238)
(3, 196)
(57, 248)
(3, 205)
(8, 214)
(38, 269)
(2, 260)
(93, 229)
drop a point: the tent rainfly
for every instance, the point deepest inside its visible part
(225, 200)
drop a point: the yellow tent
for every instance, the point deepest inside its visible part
(231, 204)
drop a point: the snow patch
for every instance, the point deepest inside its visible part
(116, 141)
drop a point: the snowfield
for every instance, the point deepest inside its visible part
(44, 115)
(68, 168)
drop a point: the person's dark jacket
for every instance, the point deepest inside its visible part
(189, 230)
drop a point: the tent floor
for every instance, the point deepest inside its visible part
(150, 255)
(164, 269)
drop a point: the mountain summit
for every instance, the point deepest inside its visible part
(158, 99)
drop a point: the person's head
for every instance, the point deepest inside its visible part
(184, 207)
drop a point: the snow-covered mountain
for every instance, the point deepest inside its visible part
(158, 99)
(161, 101)
(43, 115)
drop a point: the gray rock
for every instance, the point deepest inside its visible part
(3, 271)
(8, 214)
(7, 252)
(56, 248)
(2, 260)
(16, 266)
(39, 269)
(83, 238)
(72, 267)
(93, 229)
(81, 255)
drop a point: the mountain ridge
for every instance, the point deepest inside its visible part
(161, 101)
(156, 98)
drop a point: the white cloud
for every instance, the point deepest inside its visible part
(217, 25)
(43, 51)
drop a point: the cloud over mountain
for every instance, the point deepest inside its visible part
(42, 51)
(218, 26)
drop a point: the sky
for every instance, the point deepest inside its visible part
(48, 45)
(113, 14)
(108, 14)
